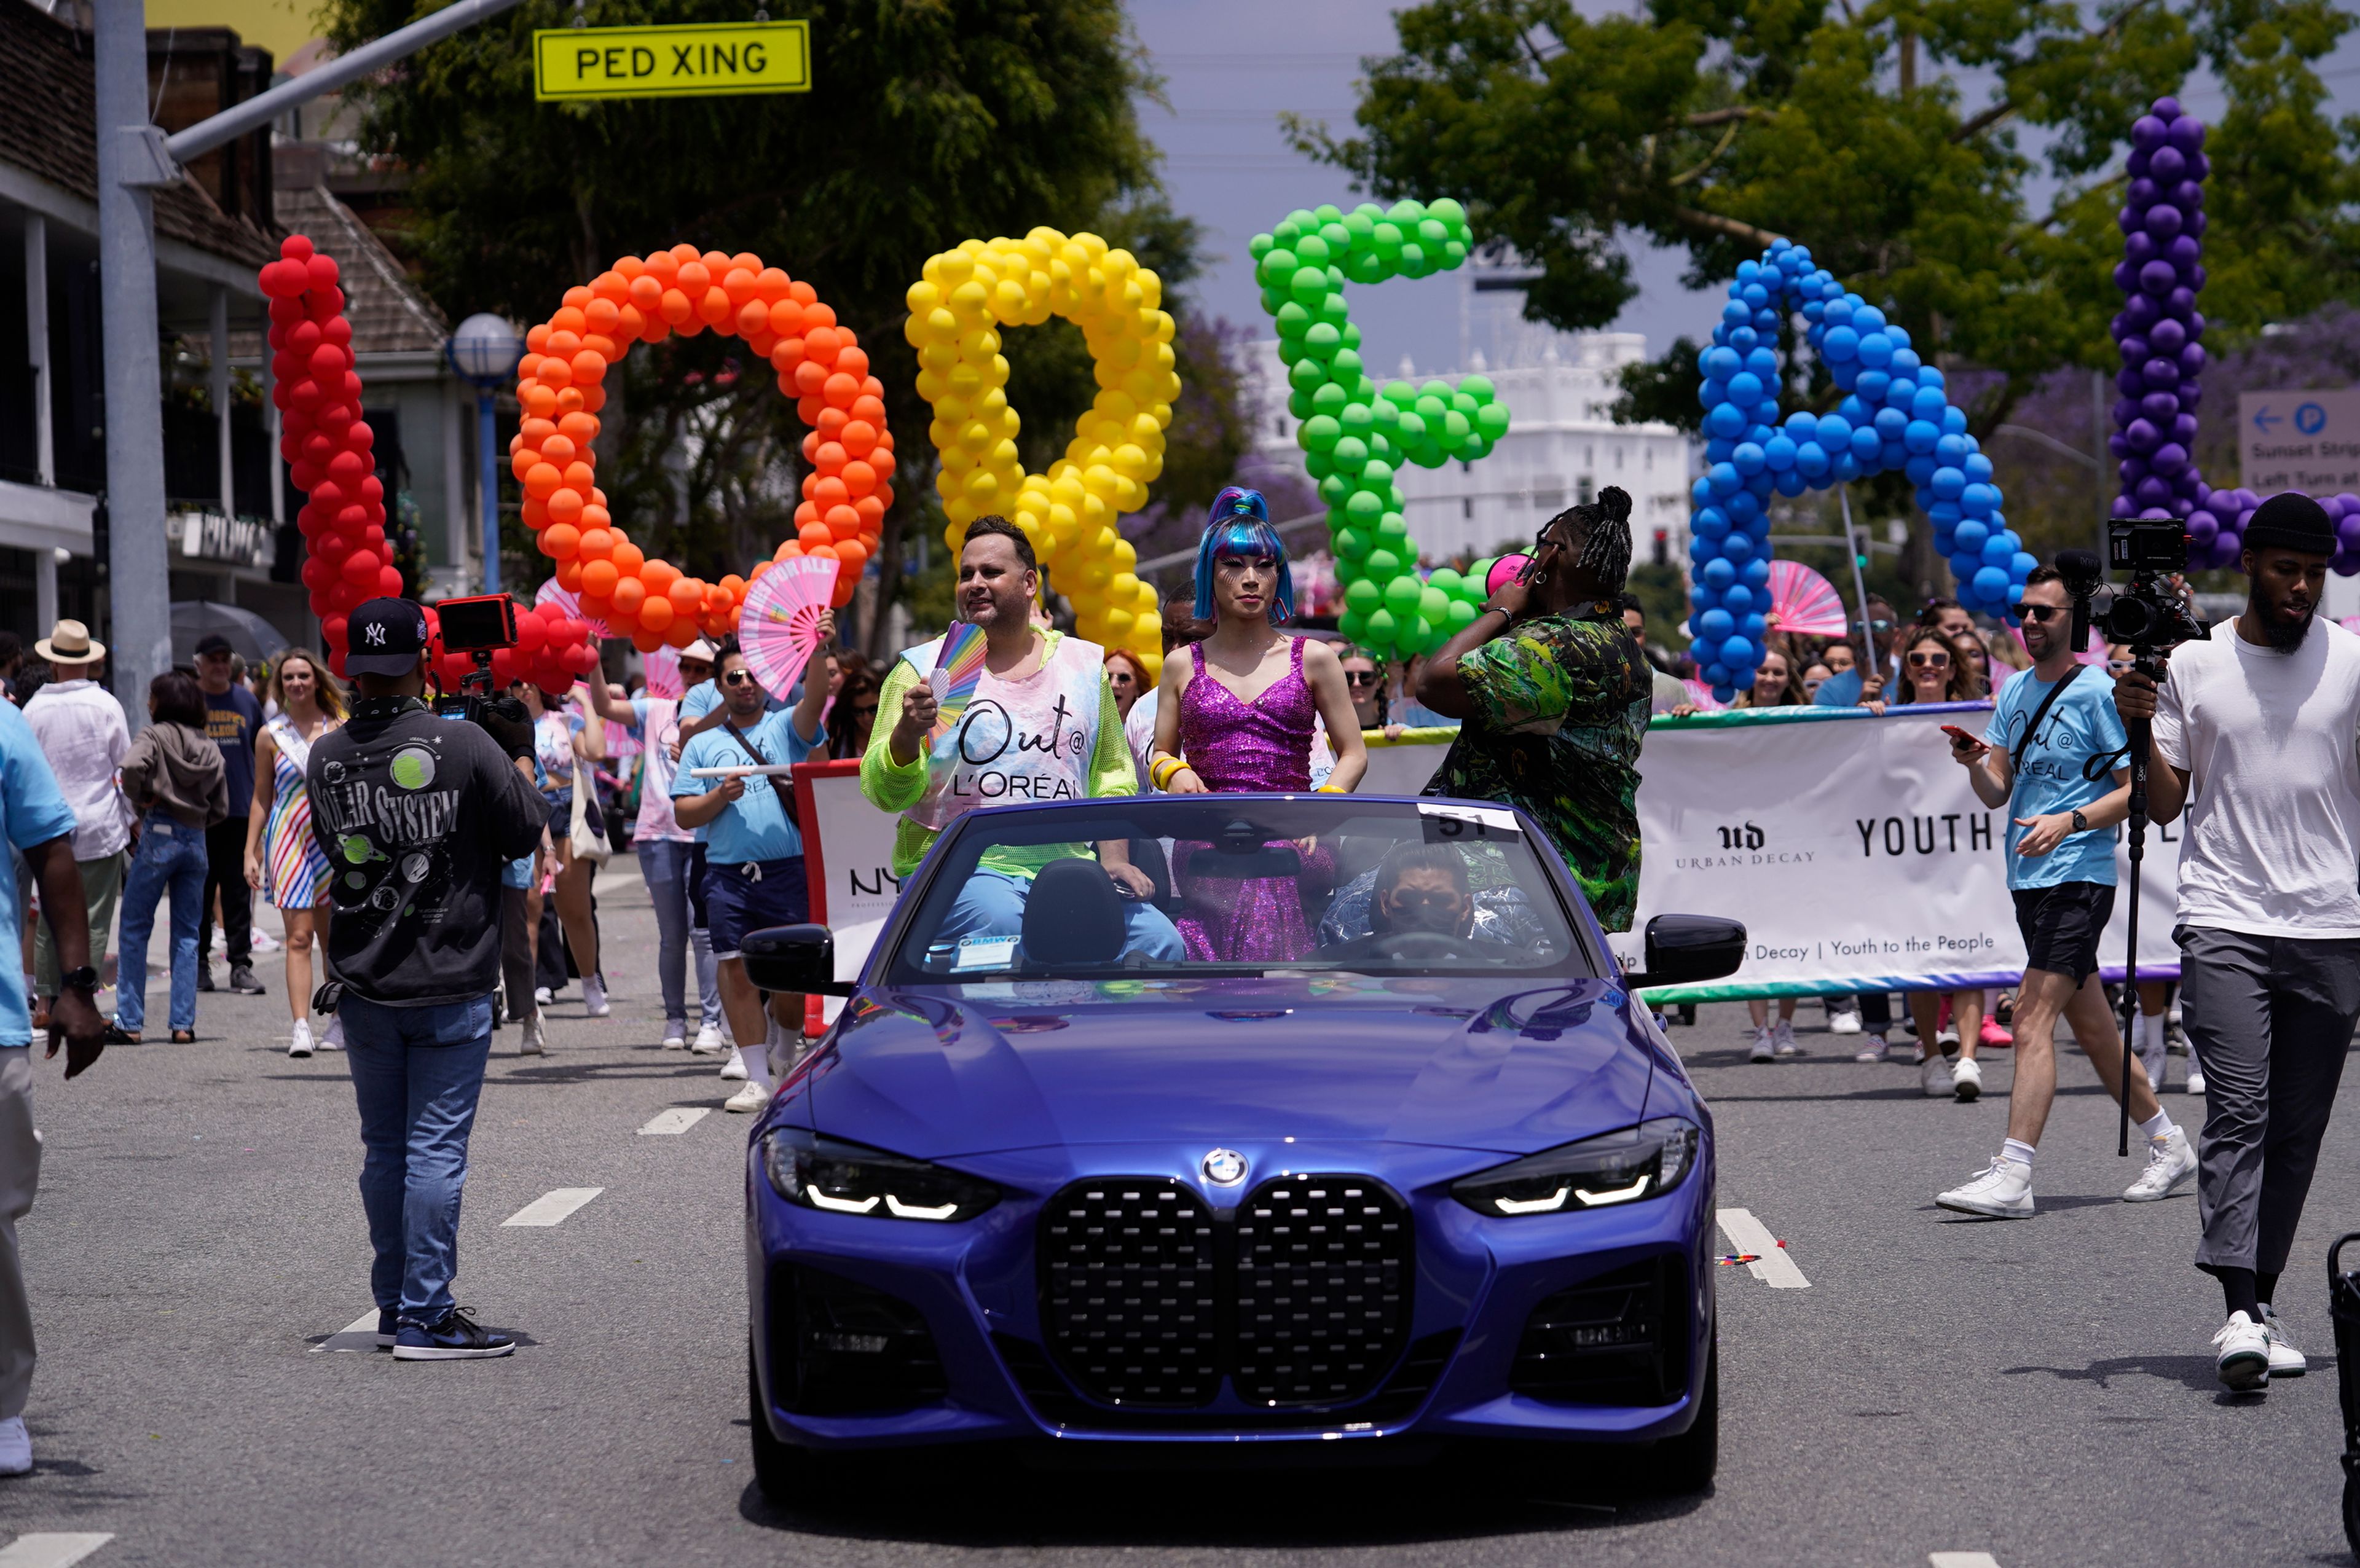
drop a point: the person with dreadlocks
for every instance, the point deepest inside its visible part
(1240, 709)
(1554, 693)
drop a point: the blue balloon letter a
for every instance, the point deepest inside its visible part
(1895, 414)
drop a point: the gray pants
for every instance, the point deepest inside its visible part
(517, 955)
(2271, 1016)
(21, 1173)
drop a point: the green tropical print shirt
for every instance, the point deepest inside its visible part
(1561, 704)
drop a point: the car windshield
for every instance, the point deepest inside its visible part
(1210, 885)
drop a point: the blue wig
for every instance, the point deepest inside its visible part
(1240, 525)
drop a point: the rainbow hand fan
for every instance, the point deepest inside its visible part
(1803, 602)
(778, 627)
(956, 669)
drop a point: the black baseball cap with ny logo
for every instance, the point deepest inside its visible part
(384, 636)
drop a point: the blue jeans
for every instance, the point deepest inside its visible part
(170, 858)
(417, 1072)
(992, 904)
(665, 866)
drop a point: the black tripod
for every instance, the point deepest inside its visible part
(2140, 733)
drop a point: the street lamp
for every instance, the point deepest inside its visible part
(485, 351)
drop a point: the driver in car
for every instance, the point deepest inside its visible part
(1423, 887)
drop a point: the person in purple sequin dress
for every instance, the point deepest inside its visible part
(1237, 716)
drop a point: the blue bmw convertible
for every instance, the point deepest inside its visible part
(1231, 1119)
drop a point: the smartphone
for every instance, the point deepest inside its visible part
(1955, 733)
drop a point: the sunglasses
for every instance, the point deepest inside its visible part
(738, 678)
(1360, 678)
(1928, 660)
(1420, 898)
(865, 711)
(2042, 613)
(1880, 626)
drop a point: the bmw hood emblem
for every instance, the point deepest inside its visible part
(1225, 1168)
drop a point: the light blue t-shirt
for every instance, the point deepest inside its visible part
(2081, 724)
(32, 811)
(755, 827)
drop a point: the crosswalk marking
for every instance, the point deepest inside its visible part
(550, 1208)
(359, 1334)
(680, 1118)
(55, 1550)
(1774, 1268)
(1962, 1560)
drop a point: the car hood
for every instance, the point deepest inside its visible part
(968, 1069)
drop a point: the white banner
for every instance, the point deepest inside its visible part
(849, 858)
(1855, 853)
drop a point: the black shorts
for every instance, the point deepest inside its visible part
(2061, 925)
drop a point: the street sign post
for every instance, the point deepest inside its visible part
(688, 60)
(2299, 441)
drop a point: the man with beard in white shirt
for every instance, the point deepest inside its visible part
(2254, 741)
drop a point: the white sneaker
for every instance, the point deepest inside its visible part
(593, 996)
(2244, 1363)
(335, 1038)
(752, 1097)
(1782, 1036)
(708, 1040)
(2286, 1361)
(2004, 1192)
(675, 1035)
(300, 1045)
(1947, 1034)
(1763, 1050)
(2195, 1077)
(541, 995)
(736, 1066)
(1844, 1021)
(2169, 1161)
(16, 1447)
(1935, 1075)
(1874, 1050)
(1967, 1081)
(536, 1038)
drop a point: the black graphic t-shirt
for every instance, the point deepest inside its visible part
(417, 815)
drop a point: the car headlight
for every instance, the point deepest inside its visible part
(839, 1177)
(1613, 1168)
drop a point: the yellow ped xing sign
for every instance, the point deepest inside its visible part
(686, 60)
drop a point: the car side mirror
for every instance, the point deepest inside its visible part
(1685, 948)
(794, 960)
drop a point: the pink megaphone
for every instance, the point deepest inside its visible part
(1504, 570)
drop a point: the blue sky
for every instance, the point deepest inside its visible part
(1231, 67)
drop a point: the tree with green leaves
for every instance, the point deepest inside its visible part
(1714, 126)
(925, 124)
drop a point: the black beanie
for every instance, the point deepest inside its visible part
(2292, 520)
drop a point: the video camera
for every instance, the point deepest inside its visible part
(2147, 616)
(478, 627)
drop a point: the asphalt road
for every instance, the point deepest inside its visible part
(2040, 1391)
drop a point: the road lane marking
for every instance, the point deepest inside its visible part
(359, 1334)
(550, 1208)
(56, 1550)
(680, 1118)
(1962, 1560)
(1774, 1268)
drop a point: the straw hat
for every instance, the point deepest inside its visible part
(70, 642)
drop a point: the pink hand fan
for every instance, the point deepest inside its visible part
(1803, 602)
(662, 668)
(779, 628)
(550, 594)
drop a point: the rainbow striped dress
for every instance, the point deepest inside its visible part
(296, 873)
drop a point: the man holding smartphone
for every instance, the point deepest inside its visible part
(2053, 756)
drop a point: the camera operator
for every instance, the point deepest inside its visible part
(2043, 758)
(417, 815)
(2253, 737)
